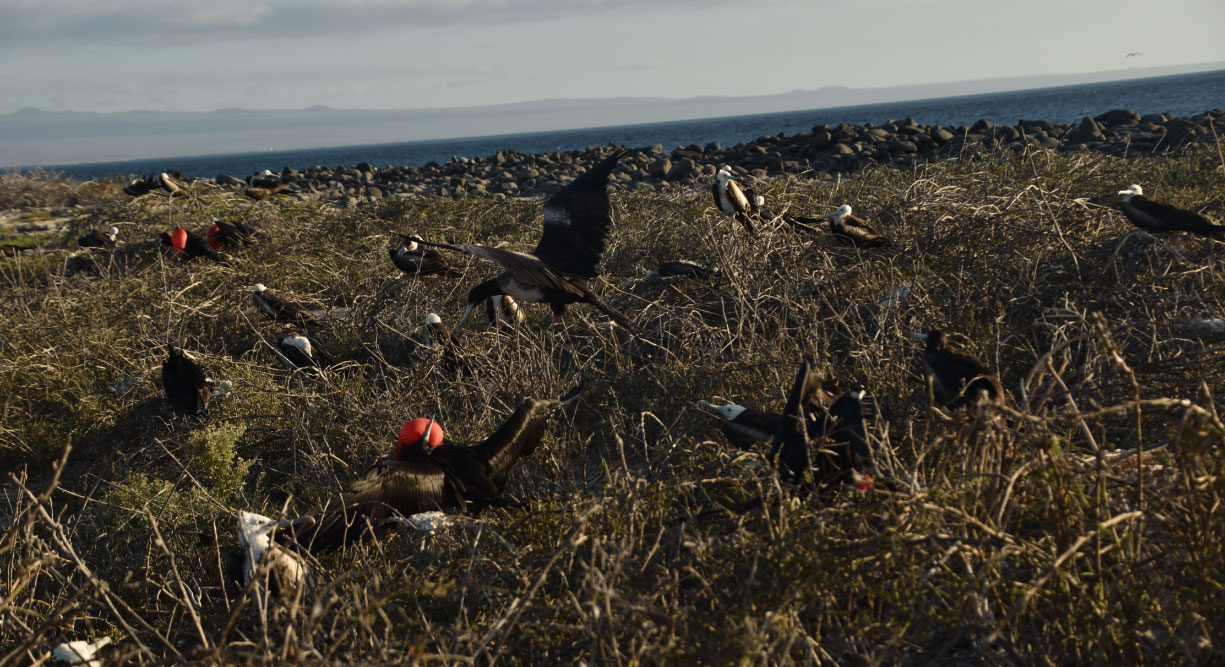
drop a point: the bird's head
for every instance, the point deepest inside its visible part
(420, 433)
(1133, 189)
(728, 412)
(112, 233)
(839, 213)
(724, 176)
(258, 288)
(299, 341)
(936, 339)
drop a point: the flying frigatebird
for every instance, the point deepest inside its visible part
(576, 225)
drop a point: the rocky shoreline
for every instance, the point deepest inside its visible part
(821, 153)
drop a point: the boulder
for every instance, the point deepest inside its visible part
(1118, 117)
(1087, 131)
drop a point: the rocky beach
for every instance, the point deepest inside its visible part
(822, 154)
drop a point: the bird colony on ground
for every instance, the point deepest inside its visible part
(820, 443)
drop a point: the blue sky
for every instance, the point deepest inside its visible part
(116, 55)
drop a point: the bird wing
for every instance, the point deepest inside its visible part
(791, 439)
(860, 233)
(518, 436)
(526, 269)
(576, 222)
(390, 488)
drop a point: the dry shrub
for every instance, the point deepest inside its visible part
(1081, 523)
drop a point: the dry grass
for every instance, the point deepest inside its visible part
(1081, 524)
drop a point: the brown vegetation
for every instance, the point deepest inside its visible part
(1081, 523)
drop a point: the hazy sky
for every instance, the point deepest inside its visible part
(117, 55)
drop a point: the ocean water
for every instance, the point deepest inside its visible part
(1179, 95)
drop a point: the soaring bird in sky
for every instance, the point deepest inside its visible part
(576, 224)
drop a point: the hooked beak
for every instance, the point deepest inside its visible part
(425, 437)
(709, 406)
(920, 336)
(467, 313)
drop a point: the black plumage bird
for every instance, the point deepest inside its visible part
(281, 307)
(187, 245)
(747, 427)
(742, 204)
(1157, 216)
(300, 352)
(416, 261)
(683, 269)
(141, 185)
(958, 378)
(576, 225)
(424, 475)
(853, 230)
(95, 239)
(183, 381)
(813, 434)
(224, 233)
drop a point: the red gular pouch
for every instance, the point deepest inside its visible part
(413, 431)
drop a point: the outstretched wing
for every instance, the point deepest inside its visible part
(517, 437)
(791, 440)
(392, 487)
(524, 268)
(576, 222)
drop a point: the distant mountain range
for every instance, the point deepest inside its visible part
(33, 136)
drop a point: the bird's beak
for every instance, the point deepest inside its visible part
(920, 336)
(467, 314)
(425, 437)
(708, 406)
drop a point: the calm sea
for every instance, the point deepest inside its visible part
(1180, 95)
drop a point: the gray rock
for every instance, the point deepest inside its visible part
(981, 127)
(1118, 117)
(660, 168)
(1087, 131)
(941, 136)
(226, 179)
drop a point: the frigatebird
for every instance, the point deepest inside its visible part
(299, 351)
(423, 474)
(187, 245)
(730, 198)
(232, 234)
(682, 269)
(183, 381)
(958, 377)
(747, 427)
(416, 261)
(837, 432)
(95, 239)
(1157, 216)
(576, 224)
(852, 229)
(139, 186)
(170, 183)
(282, 572)
(280, 307)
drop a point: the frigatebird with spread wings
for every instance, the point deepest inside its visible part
(576, 224)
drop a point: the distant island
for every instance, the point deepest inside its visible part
(34, 136)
